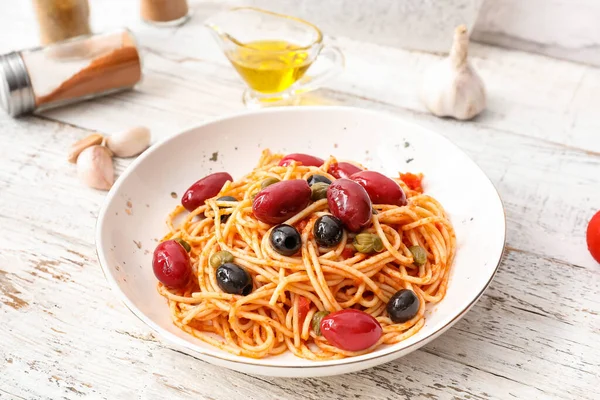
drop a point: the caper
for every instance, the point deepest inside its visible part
(419, 255)
(368, 243)
(268, 182)
(318, 191)
(316, 321)
(184, 244)
(220, 258)
(318, 178)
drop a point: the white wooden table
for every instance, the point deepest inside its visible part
(535, 333)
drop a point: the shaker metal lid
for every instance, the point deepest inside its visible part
(16, 93)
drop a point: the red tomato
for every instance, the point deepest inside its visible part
(300, 225)
(304, 159)
(171, 264)
(347, 253)
(593, 236)
(303, 308)
(343, 169)
(351, 329)
(412, 181)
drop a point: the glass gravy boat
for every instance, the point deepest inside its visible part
(277, 56)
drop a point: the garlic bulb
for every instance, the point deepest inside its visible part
(95, 167)
(129, 143)
(452, 88)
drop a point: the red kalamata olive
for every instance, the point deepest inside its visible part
(381, 189)
(304, 159)
(349, 202)
(281, 201)
(205, 188)
(343, 169)
(351, 329)
(171, 264)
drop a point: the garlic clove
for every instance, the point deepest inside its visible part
(95, 167)
(80, 145)
(110, 153)
(129, 143)
(452, 88)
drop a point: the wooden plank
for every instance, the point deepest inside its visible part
(528, 94)
(545, 216)
(526, 337)
(517, 341)
(533, 334)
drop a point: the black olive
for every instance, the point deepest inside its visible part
(318, 178)
(234, 279)
(224, 218)
(285, 239)
(403, 306)
(328, 231)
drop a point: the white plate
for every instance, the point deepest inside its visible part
(133, 216)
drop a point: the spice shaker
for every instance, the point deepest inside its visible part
(70, 71)
(164, 12)
(62, 19)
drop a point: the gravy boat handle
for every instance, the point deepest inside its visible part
(329, 63)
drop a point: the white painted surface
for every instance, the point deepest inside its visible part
(533, 335)
(566, 29)
(424, 25)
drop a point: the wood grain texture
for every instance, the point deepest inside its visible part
(533, 335)
(504, 155)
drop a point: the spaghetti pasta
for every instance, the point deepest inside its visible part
(288, 290)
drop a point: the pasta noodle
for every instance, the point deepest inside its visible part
(268, 321)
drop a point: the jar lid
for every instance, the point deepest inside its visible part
(16, 93)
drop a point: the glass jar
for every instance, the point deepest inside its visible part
(66, 72)
(164, 12)
(62, 19)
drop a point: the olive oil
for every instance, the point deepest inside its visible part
(270, 66)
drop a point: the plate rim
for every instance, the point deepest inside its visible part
(172, 338)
